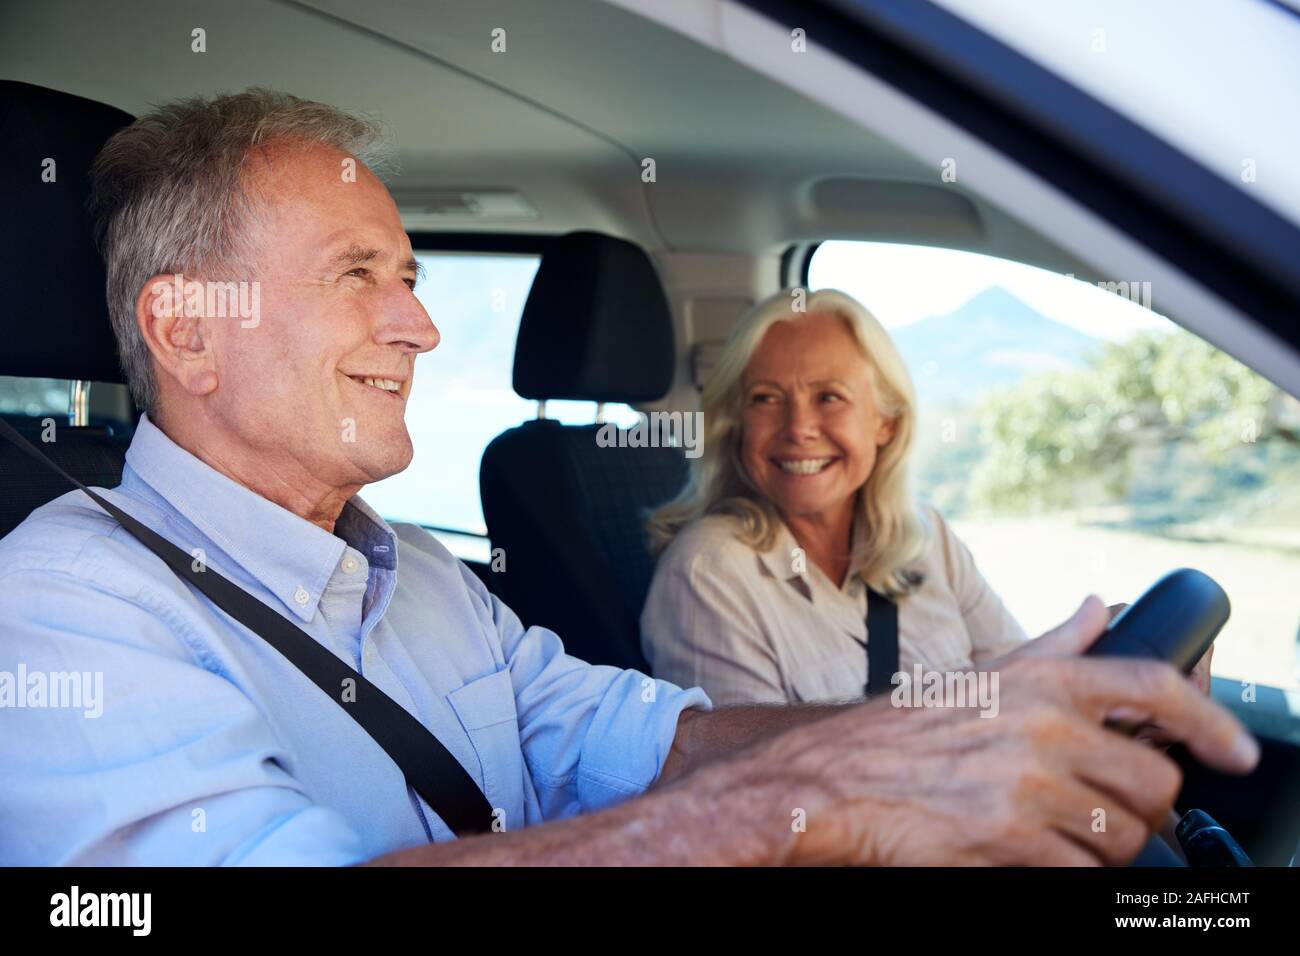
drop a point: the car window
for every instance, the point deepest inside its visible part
(1079, 442)
(34, 396)
(1226, 71)
(462, 396)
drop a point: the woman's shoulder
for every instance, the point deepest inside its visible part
(706, 564)
(933, 523)
(711, 548)
(945, 552)
(712, 543)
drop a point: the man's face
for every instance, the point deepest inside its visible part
(336, 275)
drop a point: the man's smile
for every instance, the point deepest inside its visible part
(392, 387)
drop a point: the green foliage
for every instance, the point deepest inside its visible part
(1053, 440)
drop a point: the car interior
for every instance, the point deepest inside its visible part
(692, 185)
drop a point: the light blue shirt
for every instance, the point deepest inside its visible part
(205, 746)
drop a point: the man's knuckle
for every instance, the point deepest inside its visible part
(1008, 820)
(1045, 721)
(1029, 780)
(1157, 680)
(1129, 837)
(1168, 781)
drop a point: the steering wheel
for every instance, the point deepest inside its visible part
(1177, 620)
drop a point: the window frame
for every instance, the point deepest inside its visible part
(1232, 244)
(500, 243)
(795, 263)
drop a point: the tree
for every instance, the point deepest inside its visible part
(1052, 436)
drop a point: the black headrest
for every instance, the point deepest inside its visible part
(51, 275)
(596, 326)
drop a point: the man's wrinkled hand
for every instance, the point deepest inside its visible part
(888, 785)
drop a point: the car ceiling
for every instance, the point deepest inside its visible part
(584, 92)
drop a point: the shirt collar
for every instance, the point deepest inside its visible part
(291, 557)
(780, 563)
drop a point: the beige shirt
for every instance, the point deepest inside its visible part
(751, 626)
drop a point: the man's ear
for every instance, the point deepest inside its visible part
(179, 338)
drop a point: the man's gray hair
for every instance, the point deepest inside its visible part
(168, 196)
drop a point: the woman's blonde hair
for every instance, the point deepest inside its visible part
(719, 484)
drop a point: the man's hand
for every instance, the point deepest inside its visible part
(1153, 734)
(1043, 782)
(878, 784)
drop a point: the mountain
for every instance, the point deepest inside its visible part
(992, 339)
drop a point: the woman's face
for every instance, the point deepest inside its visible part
(809, 425)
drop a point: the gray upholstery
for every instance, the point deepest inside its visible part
(569, 513)
(570, 517)
(52, 284)
(51, 276)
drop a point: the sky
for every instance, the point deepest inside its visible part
(902, 284)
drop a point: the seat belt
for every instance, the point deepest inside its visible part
(882, 642)
(429, 767)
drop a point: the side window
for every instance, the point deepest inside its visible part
(462, 396)
(1080, 442)
(34, 396)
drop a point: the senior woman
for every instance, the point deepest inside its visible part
(798, 508)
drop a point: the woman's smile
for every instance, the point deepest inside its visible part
(804, 467)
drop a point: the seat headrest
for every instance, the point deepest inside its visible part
(51, 275)
(596, 326)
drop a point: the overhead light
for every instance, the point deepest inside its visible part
(439, 206)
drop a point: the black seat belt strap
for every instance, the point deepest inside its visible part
(429, 767)
(882, 642)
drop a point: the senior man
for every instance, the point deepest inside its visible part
(258, 433)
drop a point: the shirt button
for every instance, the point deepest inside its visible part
(350, 564)
(370, 653)
(301, 596)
